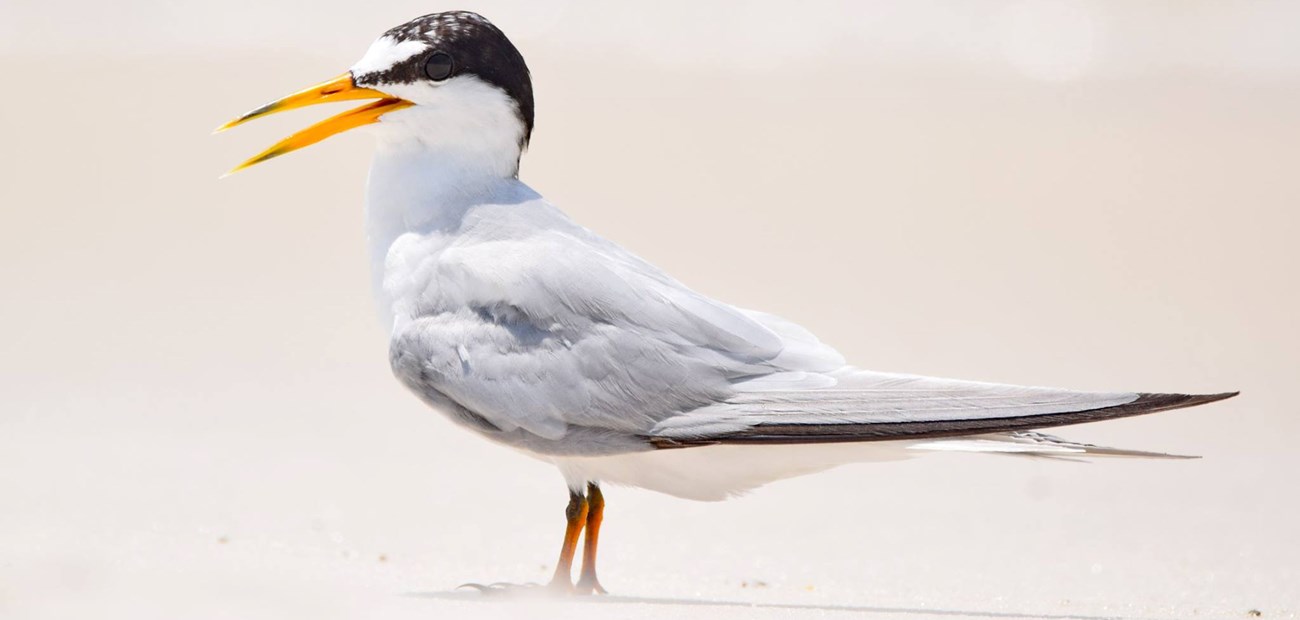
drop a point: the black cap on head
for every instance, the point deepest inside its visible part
(460, 43)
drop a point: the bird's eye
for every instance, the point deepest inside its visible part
(439, 66)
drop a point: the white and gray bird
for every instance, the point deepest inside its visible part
(537, 333)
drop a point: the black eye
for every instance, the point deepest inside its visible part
(438, 66)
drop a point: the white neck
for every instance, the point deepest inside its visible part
(429, 171)
(423, 189)
(458, 144)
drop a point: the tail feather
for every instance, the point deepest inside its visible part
(1036, 444)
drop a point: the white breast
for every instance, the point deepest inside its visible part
(416, 206)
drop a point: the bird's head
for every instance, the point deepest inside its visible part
(448, 81)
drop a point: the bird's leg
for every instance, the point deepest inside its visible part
(587, 582)
(576, 514)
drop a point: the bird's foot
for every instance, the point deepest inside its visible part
(587, 585)
(561, 586)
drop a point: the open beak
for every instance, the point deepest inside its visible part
(341, 88)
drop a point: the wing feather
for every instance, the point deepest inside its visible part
(531, 325)
(925, 408)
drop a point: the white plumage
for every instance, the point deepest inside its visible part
(539, 334)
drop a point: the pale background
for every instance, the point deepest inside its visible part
(197, 419)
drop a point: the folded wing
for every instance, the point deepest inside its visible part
(869, 406)
(533, 324)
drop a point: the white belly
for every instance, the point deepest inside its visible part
(714, 473)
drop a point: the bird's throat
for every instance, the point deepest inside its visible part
(428, 190)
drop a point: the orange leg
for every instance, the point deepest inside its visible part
(587, 582)
(576, 515)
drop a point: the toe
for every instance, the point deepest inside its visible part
(589, 586)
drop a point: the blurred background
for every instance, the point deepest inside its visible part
(197, 418)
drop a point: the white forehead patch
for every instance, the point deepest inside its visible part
(386, 52)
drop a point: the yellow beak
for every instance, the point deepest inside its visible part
(341, 88)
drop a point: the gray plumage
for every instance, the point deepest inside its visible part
(540, 334)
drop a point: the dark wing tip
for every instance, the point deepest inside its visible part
(1152, 402)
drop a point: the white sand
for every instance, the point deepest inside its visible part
(198, 420)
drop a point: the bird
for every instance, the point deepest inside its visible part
(523, 326)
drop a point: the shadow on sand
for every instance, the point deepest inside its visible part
(465, 596)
